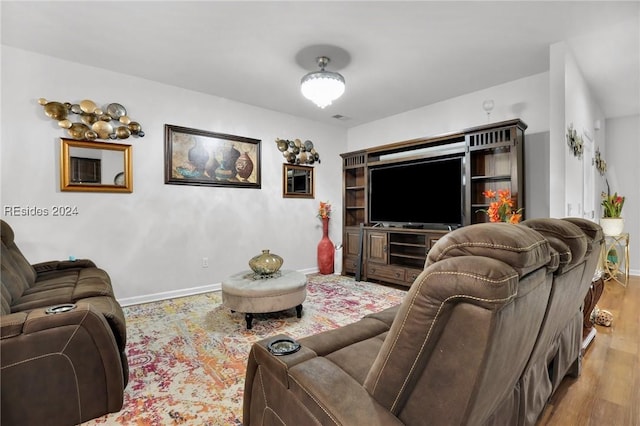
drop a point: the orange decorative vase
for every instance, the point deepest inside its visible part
(326, 250)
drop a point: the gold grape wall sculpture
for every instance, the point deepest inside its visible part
(298, 152)
(112, 122)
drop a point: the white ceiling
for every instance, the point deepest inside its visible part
(399, 55)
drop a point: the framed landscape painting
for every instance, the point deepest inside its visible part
(199, 157)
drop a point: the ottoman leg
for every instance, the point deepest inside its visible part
(249, 318)
(299, 311)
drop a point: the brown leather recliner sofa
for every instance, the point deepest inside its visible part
(454, 352)
(62, 342)
(558, 351)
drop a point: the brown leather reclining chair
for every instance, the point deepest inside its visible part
(448, 355)
(558, 351)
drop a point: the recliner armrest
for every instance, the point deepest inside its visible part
(279, 365)
(327, 390)
(62, 368)
(11, 325)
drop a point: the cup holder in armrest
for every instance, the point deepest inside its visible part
(58, 309)
(283, 347)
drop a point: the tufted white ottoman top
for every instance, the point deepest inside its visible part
(242, 292)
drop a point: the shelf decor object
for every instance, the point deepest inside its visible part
(501, 207)
(612, 225)
(266, 264)
(112, 122)
(297, 152)
(599, 162)
(574, 141)
(326, 249)
(322, 87)
(612, 222)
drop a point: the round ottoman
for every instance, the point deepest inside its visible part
(243, 292)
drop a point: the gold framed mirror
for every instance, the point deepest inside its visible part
(297, 181)
(95, 166)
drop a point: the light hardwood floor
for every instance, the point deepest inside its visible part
(607, 393)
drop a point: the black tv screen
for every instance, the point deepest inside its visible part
(425, 192)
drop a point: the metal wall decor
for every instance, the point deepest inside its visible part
(298, 152)
(574, 141)
(600, 164)
(111, 122)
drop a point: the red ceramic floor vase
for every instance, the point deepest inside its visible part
(326, 250)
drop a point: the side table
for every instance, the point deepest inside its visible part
(590, 300)
(615, 257)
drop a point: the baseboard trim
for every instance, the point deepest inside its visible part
(174, 294)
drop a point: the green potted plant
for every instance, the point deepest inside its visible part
(612, 222)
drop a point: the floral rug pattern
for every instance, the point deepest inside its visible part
(187, 356)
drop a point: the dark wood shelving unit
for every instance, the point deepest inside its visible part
(493, 160)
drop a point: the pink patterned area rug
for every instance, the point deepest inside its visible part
(188, 356)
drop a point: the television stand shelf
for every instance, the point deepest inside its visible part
(396, 255)
(491, 157)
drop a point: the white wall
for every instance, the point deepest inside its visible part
(527, 99)
(623, 157)
(153, 240)
(582, 111)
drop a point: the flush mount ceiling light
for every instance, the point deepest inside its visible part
(322, 87)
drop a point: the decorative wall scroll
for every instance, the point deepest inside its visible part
(199, 157)
(112, 122)
(298, 152)
(574, 141)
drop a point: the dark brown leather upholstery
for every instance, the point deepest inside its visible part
(558, 349)
(63, 368)
(451, 353)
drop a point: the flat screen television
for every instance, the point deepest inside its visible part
(422, 193)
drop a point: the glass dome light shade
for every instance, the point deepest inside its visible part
(322, 87)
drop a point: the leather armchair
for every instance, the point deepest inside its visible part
(450, 353)
(558, 350)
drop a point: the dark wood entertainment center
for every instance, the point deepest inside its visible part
(493, 159)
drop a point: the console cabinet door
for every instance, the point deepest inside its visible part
(351, 250)
(377, 247)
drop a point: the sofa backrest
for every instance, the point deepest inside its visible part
(595, 240)
(568, 289)
(559, 342)
(13, 281)
(467, 326)
(11, 250)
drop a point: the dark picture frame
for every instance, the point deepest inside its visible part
(203, 158)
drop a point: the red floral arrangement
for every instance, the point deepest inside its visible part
(325, 210)
(501, 207)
